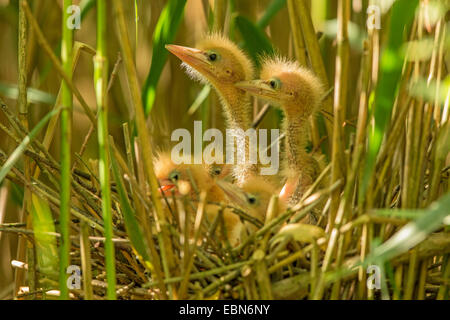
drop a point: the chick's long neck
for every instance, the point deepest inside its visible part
(238, 113)
(237, 107)
(300, 165)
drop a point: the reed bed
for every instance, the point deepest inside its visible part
(93, 201)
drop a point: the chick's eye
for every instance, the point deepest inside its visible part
(174, 176)
(212, 57)
(274, 83)
(251, 199)
(215, 171)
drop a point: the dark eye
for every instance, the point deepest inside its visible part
(212, 57)
(174, 176)
(251, 199)
(274, 83)
(215, 171)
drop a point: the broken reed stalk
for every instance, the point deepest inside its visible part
(66, 141)
(101, 82)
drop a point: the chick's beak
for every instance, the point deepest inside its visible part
(166, 187)
(194, 57)
(259, 88)
(234, 193)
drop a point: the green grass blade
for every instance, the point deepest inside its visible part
(164, 33)
(86, 6)
(402, 214)
(430, 91)
(129, 216)
(45, 239)
(414, 232)
(11, 91)
(66, 141)
(201, 97)
(255, 40)
(101, 81)
(271, 11)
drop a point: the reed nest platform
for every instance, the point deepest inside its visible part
(92, 206)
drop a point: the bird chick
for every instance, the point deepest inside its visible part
(298, 92)
(231, 222)
(253, 197)
(180, 177)
(218, 61)
(220, 171)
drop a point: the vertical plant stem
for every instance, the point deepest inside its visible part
(422, 280)
(145, 143)
(66, 138)
(443, 288)
(340, 101)
(209, 109)
(413, 134)
(23, 116)
(22, 59)
(411, 277)
(297, 34)
(314, 54)
(340, 104)
(398, 278)
(300, 53)
(136, 21)
(220, 10)
(190, 253)
(85, 252)
(437, 157)
(64, 73)
(101, 81)
(142, 217)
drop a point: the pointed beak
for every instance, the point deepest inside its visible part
(194, 57)
(233, 192)
(259, 88)
(166, 187)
